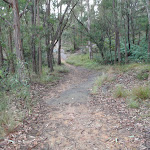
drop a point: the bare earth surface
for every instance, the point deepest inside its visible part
(68, 117)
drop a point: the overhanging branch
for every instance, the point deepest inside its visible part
(6, 21)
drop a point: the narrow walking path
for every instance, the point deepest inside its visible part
(68, 118)
(74, 122)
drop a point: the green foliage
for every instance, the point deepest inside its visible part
(61, 69)
(143, 75)
(141, 92)
(47, 76)
(105, 77)
(119, 91)
(133, 104)
(83, 60)
(12, 91)
(94, 89)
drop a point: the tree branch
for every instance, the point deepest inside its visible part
(6, 21)
(24, 11)
(8, 2)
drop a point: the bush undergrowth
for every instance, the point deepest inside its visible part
(141, 92)
(12, 92)
(120, 91)
(47, 76)
(83, 60)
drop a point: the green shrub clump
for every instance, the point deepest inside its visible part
(133, 103)
(143, 75)
(120, 91)
(141, 92)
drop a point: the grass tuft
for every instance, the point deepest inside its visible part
(61, 69)
(133, 104)
(83, 60)
(143, 75)
(94, 89)
(105, 77)
(141, 92)
(120, 91)
(48, 77)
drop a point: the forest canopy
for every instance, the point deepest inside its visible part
(115, 31)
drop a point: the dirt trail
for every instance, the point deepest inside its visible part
(68, 118)
(76, 89)
(75, 123)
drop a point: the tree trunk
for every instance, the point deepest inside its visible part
(59, 52)
(118, 39)
(128, 22)
(39, 46)
(110, 49)
(81, 19)
(89, 29)
(1, 51)
(48, 35)
(116, 42)
(50, 46)
(33, 10)
(139, 38)
(11, 67)
(125, 43)
(17, 38)
(148, 12)
(133, 32)
(59, 42)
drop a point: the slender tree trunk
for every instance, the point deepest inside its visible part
(139, 38)
(148, 12)
(128, 23)
(49, 59)
(50, 46)
(74, 38)
(149, 45)
(17, 38)
(132, 27)
(1, 51)
(89, 29)
(17, 33)
(33, 10)
(59, 42)
(11, 65)
(118, 39)
(110, 44)
(146, 32)
(81, 19)
(114, 14)
(39, 46)
(47, 38)
(125, 43)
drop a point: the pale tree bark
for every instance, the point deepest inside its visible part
(11, 63)
(81, 19)
(125, 43)
(39, 46)
(117, 35)
(1, 51)
(48, 32)
(148, 12)
(59, 30)
(89, 28)
(33, 18)
(60, 40)
(128, 23)
(50, 50)
(17, 33)
(17, 39)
